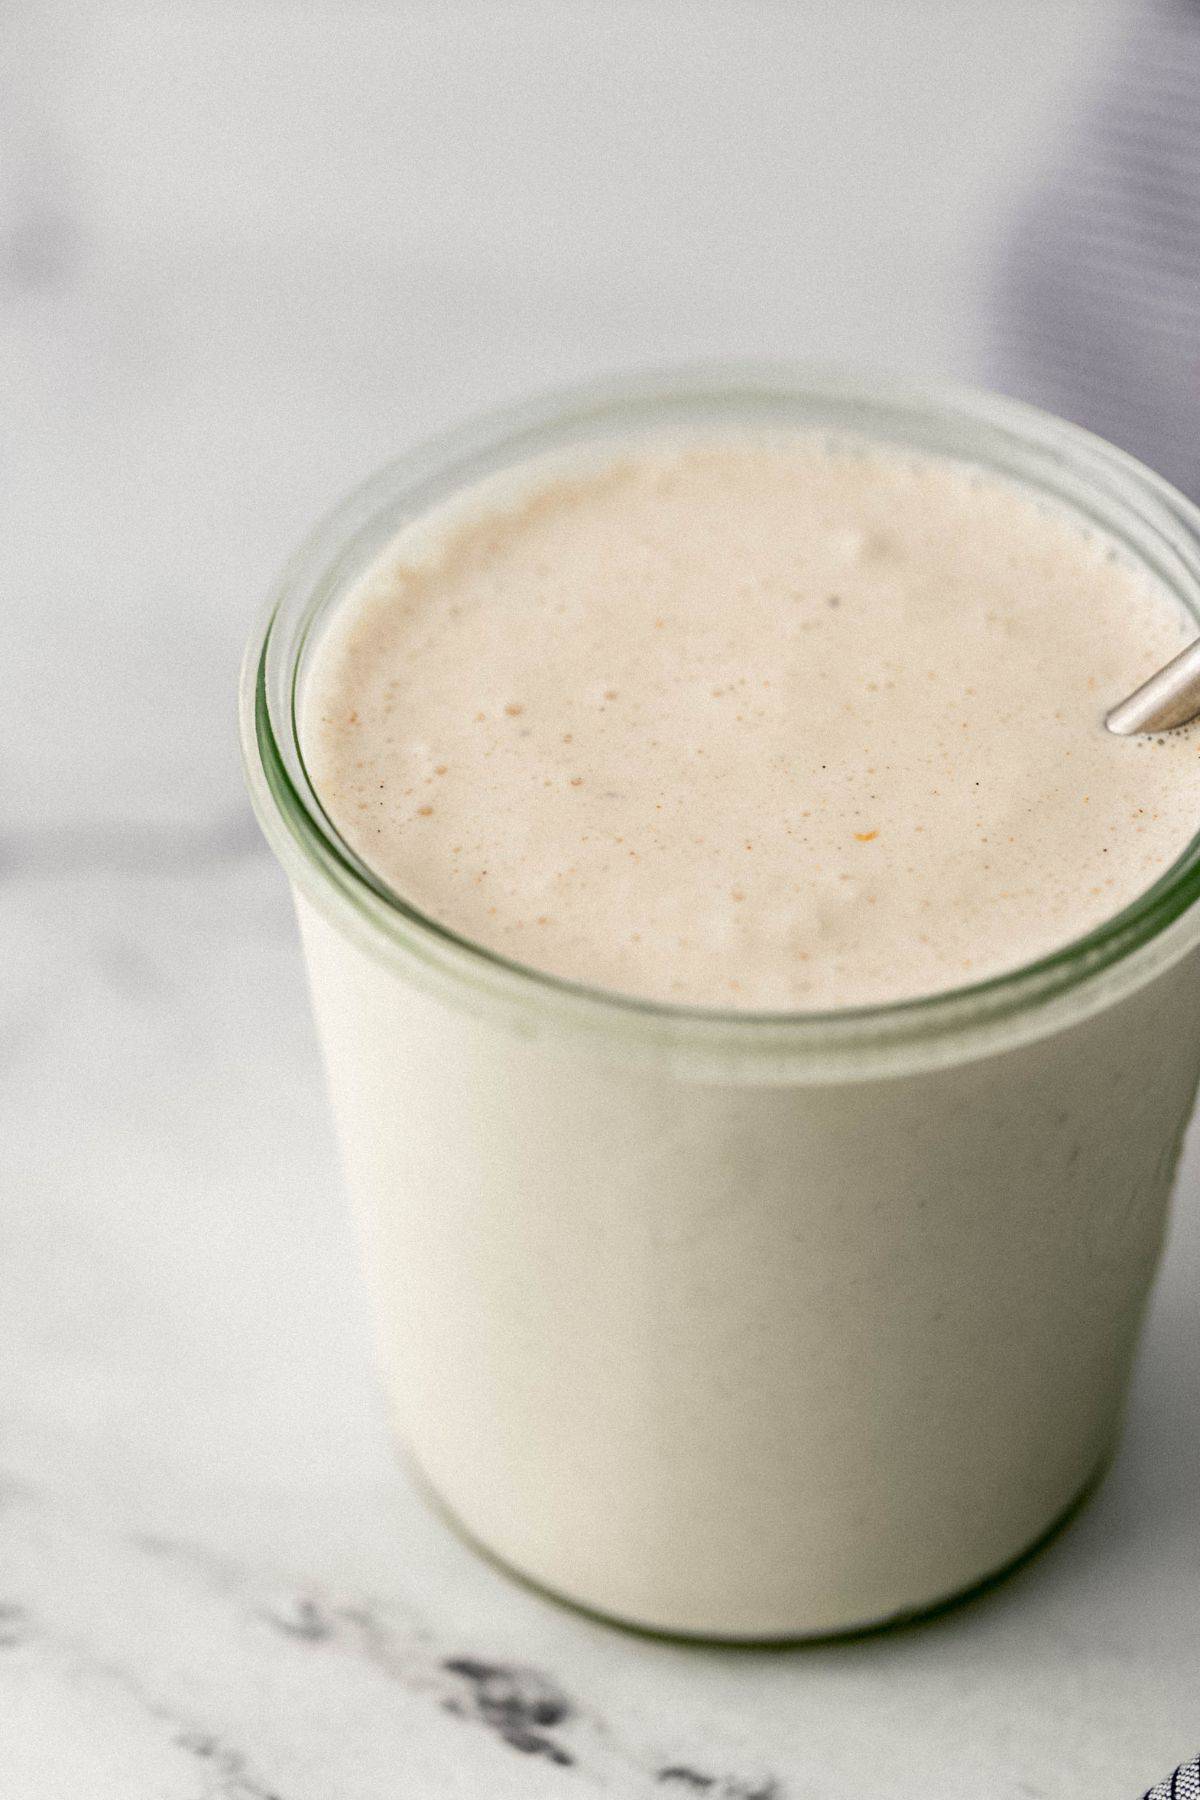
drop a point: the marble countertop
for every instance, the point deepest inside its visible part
(246, 252)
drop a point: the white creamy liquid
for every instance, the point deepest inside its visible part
(704, 1334)
(754, 724)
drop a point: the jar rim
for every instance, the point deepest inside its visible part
(1110, 488)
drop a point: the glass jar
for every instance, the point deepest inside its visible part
(743, 1326)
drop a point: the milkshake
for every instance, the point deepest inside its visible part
(778, 726)
(758, 996)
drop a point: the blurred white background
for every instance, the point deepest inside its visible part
(247, 251)
(250, 250)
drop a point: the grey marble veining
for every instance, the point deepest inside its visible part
(152, 1600)
(246, 252)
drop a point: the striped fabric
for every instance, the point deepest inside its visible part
(1184, 1784)
(1098, 313)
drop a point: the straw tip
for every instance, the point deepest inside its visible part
(1123, 720)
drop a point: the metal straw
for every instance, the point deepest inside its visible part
(1168, 699)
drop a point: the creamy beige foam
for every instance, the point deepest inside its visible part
(754, 724)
